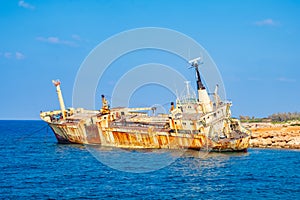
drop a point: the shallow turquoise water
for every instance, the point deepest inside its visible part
(34, 166)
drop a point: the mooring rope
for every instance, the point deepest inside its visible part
(31, 132)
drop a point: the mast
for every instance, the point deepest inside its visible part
(203, 97)
(199, 82)
(60, 97)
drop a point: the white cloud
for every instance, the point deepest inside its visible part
(74, 41)
(53, 40)
(23, 4)
(266, 22)
(56, 40)
(9, 55)
(284, 79)
(49, 39)
(19, 56)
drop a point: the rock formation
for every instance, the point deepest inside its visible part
(268, 135)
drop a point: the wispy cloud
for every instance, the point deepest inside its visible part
(285, 79)
(56, 40)
(254, 79)
(26, 5)
(76, 37)
(9, 55)
(266, 22)
(19, 56)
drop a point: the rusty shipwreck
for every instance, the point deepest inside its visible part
(194, 122)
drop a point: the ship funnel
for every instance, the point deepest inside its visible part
(172, 107)
(105, 106)
(202, 92)
(60, 97)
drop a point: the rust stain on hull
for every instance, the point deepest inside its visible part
(161, 140)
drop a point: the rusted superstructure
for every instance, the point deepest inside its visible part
(194, 122)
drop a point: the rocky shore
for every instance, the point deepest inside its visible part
(268, 135)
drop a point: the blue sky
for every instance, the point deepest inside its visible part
(255, 44)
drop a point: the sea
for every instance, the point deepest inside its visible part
(34, 166)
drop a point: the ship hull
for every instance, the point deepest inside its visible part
(142, 138)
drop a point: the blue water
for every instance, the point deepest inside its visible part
(34, 166)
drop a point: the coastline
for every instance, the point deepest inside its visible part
(275, 136)
(264, 135)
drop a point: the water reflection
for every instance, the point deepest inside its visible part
(147, 160)
(136, 161)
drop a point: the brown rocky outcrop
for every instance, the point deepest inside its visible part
(268, 135)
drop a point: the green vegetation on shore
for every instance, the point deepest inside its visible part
(274, 118)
